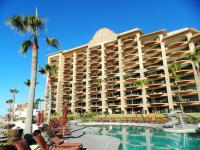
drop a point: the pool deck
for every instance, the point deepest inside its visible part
(121, 123)
(189, 128)
(90, 141)
(97, 142)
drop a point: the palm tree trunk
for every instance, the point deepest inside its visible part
(179, 96)
(50, 100)
(29, 114)
(13, 108)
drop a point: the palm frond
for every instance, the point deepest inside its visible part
(17, 23)
(53, 42)
(27, 83)
(25, 46)
(42, 71)
(34, 23)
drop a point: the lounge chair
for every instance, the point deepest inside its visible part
(44, 146)
(60, 143)
(22, 145)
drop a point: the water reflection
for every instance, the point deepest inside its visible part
(139, 138)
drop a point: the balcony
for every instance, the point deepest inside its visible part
(80, 61)
(153, 68)
(109, 68)
(157, 95)
(131, 78)
(183, 83)
(131, 64)
(131, 86)
(95, 76)
(133, 95)
(128, 41)
(95, 51)
(95, 105)
(112, 73)
(152, 51)
(177, 44)
(178, 53)
(184, 92)
(68, 78)
(111, 53)
(79, 106)
(150, 43)
(81, 54)
(111, 45)
(54, 60)
(114, 96)
(156, 85)
(113, 88)
(94, 63)
(95, 98)
(113, 104)
(68, 60)
(130, 56)
(95, 71)
(152, 60)
(129, 48)
(155, 76)
(95, 57)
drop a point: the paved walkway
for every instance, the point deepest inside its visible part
(97, 142)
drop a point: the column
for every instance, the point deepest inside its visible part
(59, 84)
(73, 83)
(142, 77)
(103, 91)
(87, 80)
(121, 73)
(166, 72)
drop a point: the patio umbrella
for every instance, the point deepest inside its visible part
(38, 118)
(42, 116)
(65, 112)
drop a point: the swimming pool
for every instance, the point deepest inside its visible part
(141, 138)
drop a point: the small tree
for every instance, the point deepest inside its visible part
(49, 70)
(174, 68)
(14, 92)
(142, 83)
(10, 101)
(195, 58)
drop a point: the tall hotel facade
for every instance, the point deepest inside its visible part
(102, 75)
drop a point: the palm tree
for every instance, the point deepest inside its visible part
(14, 92)
(37, 103)
(142, 83)
(195, 58)
(10, 101)
(31, 25)
(174, 68)
(28, 83)
(49, 70)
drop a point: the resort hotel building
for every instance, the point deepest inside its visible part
(127, 72)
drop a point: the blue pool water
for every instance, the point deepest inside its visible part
(141, 138)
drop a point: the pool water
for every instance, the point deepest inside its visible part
(141, 138)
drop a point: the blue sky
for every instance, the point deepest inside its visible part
(74, 23)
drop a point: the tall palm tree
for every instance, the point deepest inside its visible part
(49, 70)
(142, 83)
(174, 68)
(28, 83)
(195, 58)
(10, 101)
(14, 92)
(31, 25)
